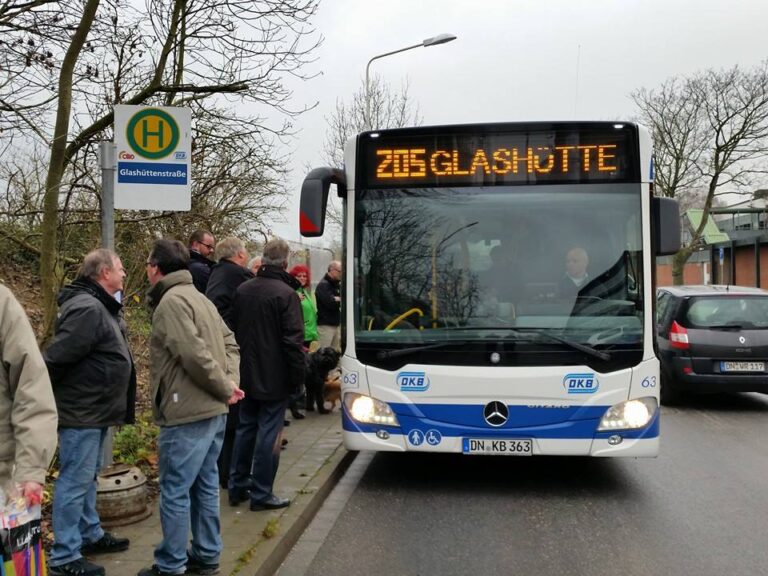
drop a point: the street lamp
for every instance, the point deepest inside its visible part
(434, 41)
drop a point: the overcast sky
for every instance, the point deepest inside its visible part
(517, 59)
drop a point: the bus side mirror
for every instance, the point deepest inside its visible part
(665, 223)
(314, 199)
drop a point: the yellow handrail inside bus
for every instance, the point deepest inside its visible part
(403, 316)
(370, 323)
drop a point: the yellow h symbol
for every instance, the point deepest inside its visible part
(146, 133)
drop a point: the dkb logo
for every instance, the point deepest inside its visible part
(580, 383)
(412, 381)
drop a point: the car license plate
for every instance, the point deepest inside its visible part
(742, 366)
(505, 447)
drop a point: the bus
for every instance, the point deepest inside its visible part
(466, 326)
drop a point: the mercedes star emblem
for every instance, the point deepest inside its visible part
(496, 413)
(742, 339)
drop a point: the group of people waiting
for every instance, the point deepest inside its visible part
(234, 333)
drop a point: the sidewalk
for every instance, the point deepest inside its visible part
(309, 467)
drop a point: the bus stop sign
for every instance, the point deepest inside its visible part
(153, 158)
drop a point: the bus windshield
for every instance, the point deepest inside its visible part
(508, 263)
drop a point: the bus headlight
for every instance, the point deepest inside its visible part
(628, 415)
(367, 410)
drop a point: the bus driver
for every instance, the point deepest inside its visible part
(576, 276)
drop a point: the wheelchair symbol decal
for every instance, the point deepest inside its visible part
(433, 437)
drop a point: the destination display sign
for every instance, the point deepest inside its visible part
(403, 159)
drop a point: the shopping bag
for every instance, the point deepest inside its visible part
(21, 542)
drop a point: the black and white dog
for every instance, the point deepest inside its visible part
(320, 363)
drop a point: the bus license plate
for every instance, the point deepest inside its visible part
(506, 447)
(742, 366)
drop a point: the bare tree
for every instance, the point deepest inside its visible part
(694, 197)
(34, 36)
(673, 114)
(225, 59)
(389, 109)
(48, 249)
(710, 132)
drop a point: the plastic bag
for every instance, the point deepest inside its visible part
(21, 542)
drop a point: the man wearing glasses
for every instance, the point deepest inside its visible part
(201, 247)
(328, 296)
(194, 375)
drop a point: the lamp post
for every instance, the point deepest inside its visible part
(434, 41)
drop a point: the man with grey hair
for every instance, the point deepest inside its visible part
(94, 383)
(269, 326)
(226, 276)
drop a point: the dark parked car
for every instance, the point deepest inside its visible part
(712, 339)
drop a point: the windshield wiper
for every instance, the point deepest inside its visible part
(604, 356)
(383, 354)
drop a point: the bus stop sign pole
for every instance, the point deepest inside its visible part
(107, 154)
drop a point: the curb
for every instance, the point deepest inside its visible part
(267, 554)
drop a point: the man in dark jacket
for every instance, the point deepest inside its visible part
(226, 276)
(201, 246)
(269, 327)
(94, 384)
(328, 296)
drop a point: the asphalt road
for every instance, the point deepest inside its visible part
(698, 509)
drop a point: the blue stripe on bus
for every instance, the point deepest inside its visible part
(472, 414)
(459, 420)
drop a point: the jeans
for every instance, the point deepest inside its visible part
(189, 493)
(75, 521)
(256, 455)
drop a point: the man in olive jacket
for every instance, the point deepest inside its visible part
(27, 407)
(270, 330)
(94, 383)
(194, 372)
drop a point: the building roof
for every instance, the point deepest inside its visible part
(711, 233)
(747, 206)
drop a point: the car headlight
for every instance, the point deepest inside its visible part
(629, 415)
(367, 410)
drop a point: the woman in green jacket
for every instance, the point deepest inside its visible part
(301, 273)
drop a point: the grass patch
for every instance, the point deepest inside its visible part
(136, 444)
(243, 560)
(271, 529)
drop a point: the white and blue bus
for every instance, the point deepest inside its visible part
(464, 328)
